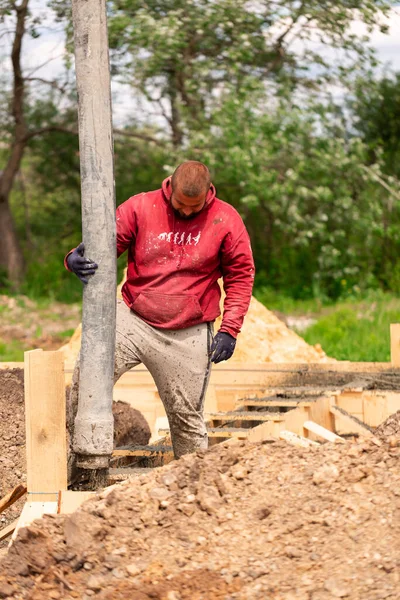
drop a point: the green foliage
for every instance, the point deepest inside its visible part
(377, 118)
(12, 351)
(316, 216)
(183, 55)
(357, 332)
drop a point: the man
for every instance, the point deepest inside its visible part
(180, 239)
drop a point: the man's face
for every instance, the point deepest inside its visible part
(187, 207)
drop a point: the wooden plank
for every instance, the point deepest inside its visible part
(345, 423)
(263, 432)
(244, 416)
(228, 432)
(376, 408)
(320, 413)
(216, 432)
(145, 451)
(322, 432)
(296, 440)
(9, 499)
(70, 501)
(32, 511)
(294, 420)
(45, 418)
(395, 344)
(8, 530)
(353, 402)
(273, 402)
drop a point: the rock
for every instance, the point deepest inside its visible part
(159, 493)
(168, 479)
(239, 472)
(95, 583)
(326, 474)
(336, 587)
(133, 570)
(6, 590)
(292, 552)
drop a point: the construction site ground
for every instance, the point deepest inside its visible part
(241, 521)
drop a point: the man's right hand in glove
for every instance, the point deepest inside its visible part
(80, 265)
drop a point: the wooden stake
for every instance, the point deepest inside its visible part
(9, 499)
(45, 418)
(395, 344)
(8, 530)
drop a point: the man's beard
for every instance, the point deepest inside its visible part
(185, 217)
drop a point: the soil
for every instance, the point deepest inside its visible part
(29, 325)
(130, 428)
(239, 522)
(12, 439)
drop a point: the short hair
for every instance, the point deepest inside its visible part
(192, 177)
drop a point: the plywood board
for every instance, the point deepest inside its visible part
(294, 420)
(395, 344)
(346, 424)
(32, 511)
(319, 412)
(264, 432)
(45, 419)
(375, 408)
(70, 501)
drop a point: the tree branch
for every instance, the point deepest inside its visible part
(53, 84)
(60, 129)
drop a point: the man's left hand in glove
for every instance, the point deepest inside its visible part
(222, 347)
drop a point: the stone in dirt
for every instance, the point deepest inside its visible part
(271, 534)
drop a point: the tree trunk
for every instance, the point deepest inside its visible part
(11, 258)
(10, 252)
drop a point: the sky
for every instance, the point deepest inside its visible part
(47, 52)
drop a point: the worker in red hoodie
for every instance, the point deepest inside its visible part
(180, 240)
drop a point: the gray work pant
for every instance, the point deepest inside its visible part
(179, 363)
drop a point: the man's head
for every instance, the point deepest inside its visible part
(190, 184)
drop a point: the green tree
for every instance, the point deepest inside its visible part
(376, 110)
(184, 55)
(316, 216)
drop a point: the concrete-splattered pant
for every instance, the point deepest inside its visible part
(179, 363)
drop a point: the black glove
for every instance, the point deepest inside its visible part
(81, 266)
(222, 347)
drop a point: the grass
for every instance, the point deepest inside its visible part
(354, 328)
(12, 351)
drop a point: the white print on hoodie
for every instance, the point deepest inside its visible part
(180, 239)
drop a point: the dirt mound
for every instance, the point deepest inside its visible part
(242, 521)
(265, 338)
(390, 427)
(130, 426)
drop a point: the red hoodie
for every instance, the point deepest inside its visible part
(174, 264)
